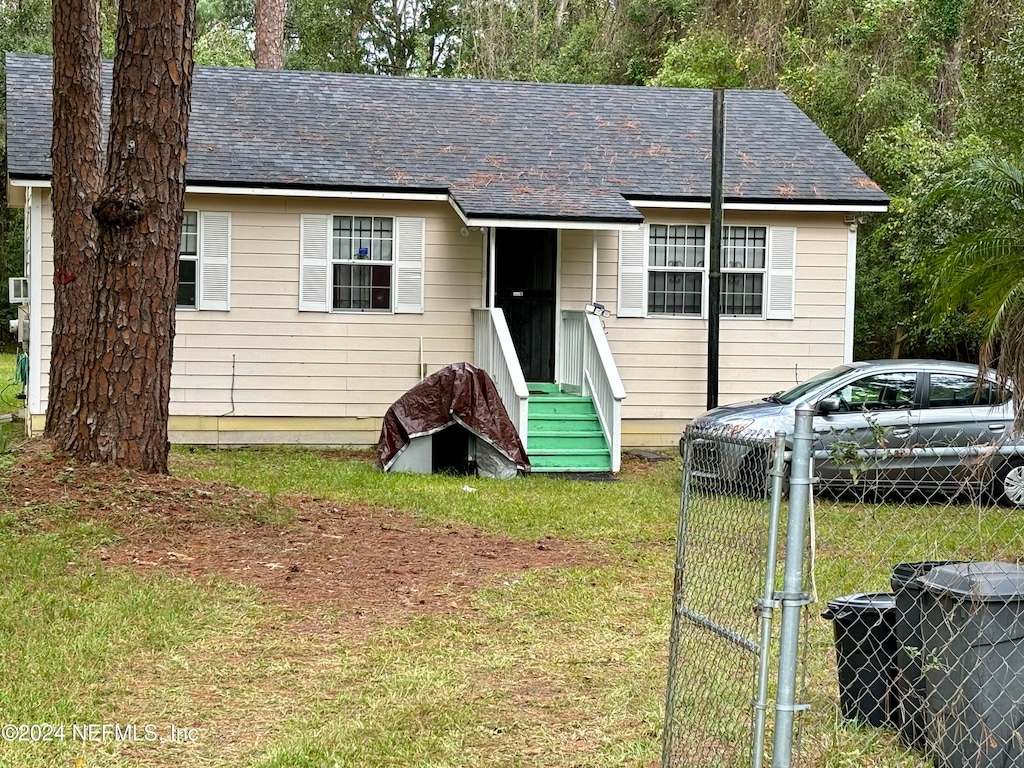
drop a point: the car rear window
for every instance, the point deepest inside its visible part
(952, 390)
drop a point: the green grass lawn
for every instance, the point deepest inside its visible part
(560, 666)
(13, 432)
(9, 386)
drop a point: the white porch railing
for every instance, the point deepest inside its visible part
(494, 352)
(586, 366)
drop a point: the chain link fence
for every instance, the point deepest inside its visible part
(911, 633)
(725, 530)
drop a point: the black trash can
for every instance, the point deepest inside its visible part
(972, 633)
(909, 677)
(865, 639)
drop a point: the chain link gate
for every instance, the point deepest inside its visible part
(720, 642)
(914, 656)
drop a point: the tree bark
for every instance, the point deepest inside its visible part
(122, 370)
(77, 174)
(269, 41)
(947, 86)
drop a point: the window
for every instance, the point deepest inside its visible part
(744, 260)
(361, 263)
(882, 392)
(188, 261)
(950, 390)
(677, 270)
(204, 261)
(675, 273)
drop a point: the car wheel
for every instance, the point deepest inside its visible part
(1009, 484)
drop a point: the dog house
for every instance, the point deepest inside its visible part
(452, 421)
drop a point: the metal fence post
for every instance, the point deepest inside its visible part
(793, 597)
(766, 604)
(677, 590)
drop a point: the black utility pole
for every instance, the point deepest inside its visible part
(715, 251)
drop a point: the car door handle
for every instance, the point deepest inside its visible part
(997, 427)
(901, 433)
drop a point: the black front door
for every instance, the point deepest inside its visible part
(524, 288)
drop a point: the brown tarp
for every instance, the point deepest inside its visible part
(459, 393)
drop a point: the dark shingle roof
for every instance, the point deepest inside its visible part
(502, 149)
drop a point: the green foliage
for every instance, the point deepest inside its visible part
(373, 36)
(222, 46)
(915, 91)
(326, 36)
(707, 59)
(999, 95)
(981, 266)
(895, 269)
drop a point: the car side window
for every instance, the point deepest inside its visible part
(881, 392)
(953, 390)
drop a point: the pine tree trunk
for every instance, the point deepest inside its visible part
(77, 174)
(123, 379)
(269, 43)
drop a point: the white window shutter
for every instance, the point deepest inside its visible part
(632, 272)
(314, 258)
(781, 299)
(215, 261)
(409, 265)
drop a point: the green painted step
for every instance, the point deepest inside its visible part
(567, 440)
(564, 433)
(558, 424)
(542, 462)
(562, 405)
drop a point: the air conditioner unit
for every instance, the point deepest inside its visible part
(17, 290)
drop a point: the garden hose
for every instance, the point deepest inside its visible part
(21, 369)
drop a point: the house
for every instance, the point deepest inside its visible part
(346, 235)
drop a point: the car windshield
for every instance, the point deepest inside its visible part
(794, 394)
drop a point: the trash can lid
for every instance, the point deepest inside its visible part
(862, 602)
(904, 573)
(981, 582)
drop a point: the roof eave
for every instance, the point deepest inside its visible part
(880, 205)
(542, 221)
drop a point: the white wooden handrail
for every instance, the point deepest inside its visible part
(587, 364)
(494, 351)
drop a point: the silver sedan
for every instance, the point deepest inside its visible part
(907, 425)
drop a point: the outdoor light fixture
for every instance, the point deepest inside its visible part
(596, 309)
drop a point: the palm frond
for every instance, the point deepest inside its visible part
(978, 271)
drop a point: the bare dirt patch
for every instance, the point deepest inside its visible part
(299, 549)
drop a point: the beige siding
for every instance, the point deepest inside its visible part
(663, 361)
(266, 359)
(265, 372)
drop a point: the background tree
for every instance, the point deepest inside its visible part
(269, 39)
(981, 269)
(116, 245)
(912, 90)
(223, 31)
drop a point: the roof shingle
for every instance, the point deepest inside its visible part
(502, 149)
